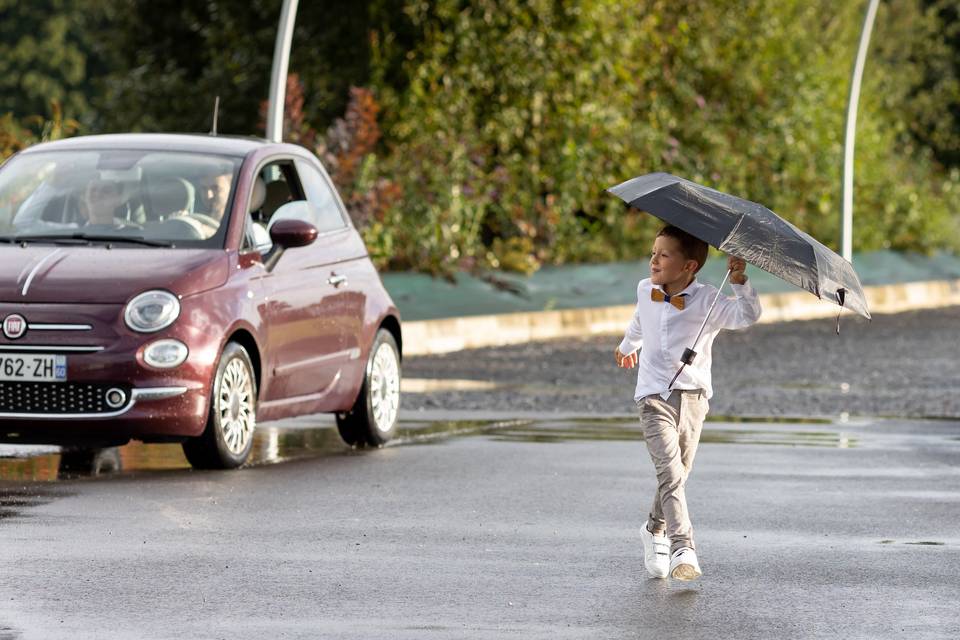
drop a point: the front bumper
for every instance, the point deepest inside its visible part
(151, 413)
(158, 404)
(133, 397)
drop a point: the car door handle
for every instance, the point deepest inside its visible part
(336, 280)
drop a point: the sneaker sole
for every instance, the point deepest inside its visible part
(685, 572)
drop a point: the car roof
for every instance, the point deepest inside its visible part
(201, 143)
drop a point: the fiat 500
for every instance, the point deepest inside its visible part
(181, 288)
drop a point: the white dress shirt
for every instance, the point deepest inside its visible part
(663, 332)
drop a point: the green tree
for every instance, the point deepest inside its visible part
(169, 59)
(47, 54)
(515, 116)
(922, 41)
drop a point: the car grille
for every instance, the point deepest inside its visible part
(54, 398)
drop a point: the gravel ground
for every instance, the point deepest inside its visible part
(897, 365)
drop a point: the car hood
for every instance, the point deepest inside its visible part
(98, 275)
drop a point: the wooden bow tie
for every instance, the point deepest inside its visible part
(659, 296)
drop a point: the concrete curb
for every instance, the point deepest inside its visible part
(445, 335)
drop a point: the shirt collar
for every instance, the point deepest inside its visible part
(689, 291)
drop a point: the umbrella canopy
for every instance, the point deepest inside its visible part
(749, 231)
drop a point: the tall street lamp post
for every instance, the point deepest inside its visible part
(846, 228)
(278, 76)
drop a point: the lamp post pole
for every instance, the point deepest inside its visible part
(278, 75)
(846, 228)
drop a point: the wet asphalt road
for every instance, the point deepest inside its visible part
(524, 531)
(473, 529)
(905, 364)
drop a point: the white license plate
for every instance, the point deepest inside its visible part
(33, 368)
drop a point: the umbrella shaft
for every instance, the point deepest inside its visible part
(703, 325)
(716, 298)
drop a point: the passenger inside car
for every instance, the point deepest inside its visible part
(102, 204)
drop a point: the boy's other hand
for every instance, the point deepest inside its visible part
(737, 267)
(628, 361)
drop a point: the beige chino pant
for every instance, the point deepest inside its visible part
(671, 429)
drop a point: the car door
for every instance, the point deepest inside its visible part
(299, 341)
(346, 264)
(308, 295)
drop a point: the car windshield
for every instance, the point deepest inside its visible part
(144, 198)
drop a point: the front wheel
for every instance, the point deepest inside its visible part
(373, 419)
(228, 437)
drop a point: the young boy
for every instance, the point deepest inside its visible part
(671, 306)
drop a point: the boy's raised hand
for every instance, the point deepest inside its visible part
(737, 267)
(628, 361)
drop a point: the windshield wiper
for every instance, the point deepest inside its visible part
(74, 238)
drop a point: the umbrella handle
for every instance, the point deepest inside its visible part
(689, 354)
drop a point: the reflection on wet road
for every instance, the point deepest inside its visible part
(271, 445)
(274, 444)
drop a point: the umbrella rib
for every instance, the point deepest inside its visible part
(733, 232)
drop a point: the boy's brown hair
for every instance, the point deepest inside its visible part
(692, 248)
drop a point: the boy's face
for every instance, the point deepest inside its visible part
(668, 265)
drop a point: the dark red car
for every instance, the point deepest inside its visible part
(180, 288)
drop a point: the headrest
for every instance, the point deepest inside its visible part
(277, 195)
(169, 196)
(258, 195)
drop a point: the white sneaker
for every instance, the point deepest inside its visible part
(684, 565)
(656, 553)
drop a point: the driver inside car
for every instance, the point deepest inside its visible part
(213, 191)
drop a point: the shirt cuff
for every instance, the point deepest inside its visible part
(744, 290)
(626, 347)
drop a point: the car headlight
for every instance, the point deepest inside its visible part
(165, 354)
(152, 311)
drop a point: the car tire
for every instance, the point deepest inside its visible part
(373, 419)
(228, 437)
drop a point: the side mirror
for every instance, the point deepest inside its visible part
(287, 234)
(291, 233)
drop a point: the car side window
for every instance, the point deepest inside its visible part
(279, 181)
(321, 195)
(276, 184)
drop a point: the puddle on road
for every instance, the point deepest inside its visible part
(271, 445)
(712, 418)
(278, 444)
(620, 430)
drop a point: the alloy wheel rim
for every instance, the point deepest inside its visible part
(235, 406)
(385, 387)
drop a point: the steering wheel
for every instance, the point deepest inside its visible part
(210, 221)
(183, 228)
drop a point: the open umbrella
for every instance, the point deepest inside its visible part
(749, 231)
